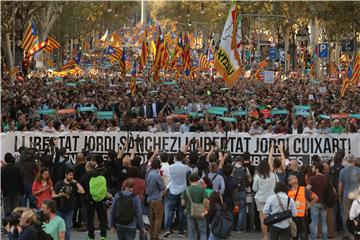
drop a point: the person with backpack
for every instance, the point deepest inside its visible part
(216, 178)
(193, 200)
(303, 199)
(94, 184)
(126, 213)
(349, 181)
(55, 225)
(219, 219)
(318, 184)
(65, 193)
(280, 202)
(243, 178)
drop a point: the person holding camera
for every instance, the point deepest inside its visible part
(65, 195)
(26, 227)
(42, 187)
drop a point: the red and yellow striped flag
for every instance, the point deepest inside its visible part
(333, 72)
(355, 79)
(37, 47)
(52, 44)
(204, 63)
(144, 51)
(29, 37)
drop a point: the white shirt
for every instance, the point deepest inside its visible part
(153, 105)
(165, 172)
(354, 210)
(177, 181)
(309, 130)
(49, 130)
(145, 110)
(264, 187)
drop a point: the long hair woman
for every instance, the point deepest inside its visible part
(27, 227)
(263, 186)
(215, 204)
(42, 187)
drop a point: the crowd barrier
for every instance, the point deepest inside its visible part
(300, 146)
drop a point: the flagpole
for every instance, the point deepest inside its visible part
(142, 11)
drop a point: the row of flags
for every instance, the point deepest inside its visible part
(173, 53)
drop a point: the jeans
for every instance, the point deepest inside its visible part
(241, 198)
(213, 237)
(276, 233)
(200, 223)
(67, 216)
(173, 203)
(302, 231)
(125, 233)
(156, 215)
(28, 196)
(10, 203)
(101, 213)
(315, 211)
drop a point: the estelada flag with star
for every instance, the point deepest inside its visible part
(228, 61)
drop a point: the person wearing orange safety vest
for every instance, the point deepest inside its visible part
(303, 199)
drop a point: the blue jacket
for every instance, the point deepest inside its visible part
(154, 186)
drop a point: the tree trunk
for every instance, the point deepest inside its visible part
(7, 50)
(286, 39)
(337, 51)
(314, 42)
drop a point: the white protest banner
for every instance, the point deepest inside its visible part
(301, 147)
(268, 77)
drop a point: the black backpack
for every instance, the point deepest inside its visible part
(124, 209)
(222, 223)
(329, 196)
(240, 174)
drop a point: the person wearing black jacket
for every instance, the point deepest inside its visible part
(27, 227)
(12, 185)
(230, 187)
(79, 212)
(28, 170)
(90, 204)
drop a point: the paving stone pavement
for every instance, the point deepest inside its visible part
(246, 235)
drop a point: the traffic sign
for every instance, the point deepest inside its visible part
(347, 45)
(272, 53)
(323, 50)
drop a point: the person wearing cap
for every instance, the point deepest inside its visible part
(349, 181)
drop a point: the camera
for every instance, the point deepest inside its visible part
(13, 219)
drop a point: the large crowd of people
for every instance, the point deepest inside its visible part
(204, 196)
(253, 106)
